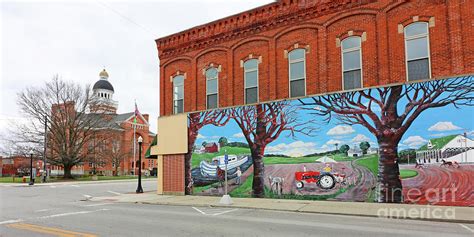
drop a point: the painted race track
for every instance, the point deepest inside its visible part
(437, 185)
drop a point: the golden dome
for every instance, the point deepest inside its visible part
(104, 74)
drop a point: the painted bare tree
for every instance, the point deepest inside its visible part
(64, 105)
(397, 109)
(262, 124)
(196, 121)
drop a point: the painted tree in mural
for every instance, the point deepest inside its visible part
(197, 121)
(388, 113)
(262, 124)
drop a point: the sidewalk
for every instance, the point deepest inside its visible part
(401, 211)
(59, 183)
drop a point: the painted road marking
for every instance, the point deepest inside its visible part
(76, 186)
(49, 230)
(52, 186)
(213, 211)
(71, 213)
(98, 204)
(10, 221)
(112, 192)
(88, 197)
(467, 228)
(42, 210)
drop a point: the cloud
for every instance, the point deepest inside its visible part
(200, 136)
(360, 138)
(334, 142)
(443, 126)
(414, 141)
(340, 130)
(238, 135)
(295, 149)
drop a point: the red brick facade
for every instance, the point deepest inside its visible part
(270, 31)
(173, 173)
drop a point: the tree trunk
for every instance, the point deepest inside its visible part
(258, 185)
(188, 178)
(67, 172)
(390, 185)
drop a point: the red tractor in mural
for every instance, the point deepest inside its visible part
(322, 179)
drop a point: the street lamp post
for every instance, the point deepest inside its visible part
(32, 181)
(139, 188)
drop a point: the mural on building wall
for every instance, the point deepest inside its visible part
(410, 143)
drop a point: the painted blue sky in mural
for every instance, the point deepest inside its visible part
(432, 123)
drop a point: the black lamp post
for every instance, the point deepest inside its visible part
(32, 181)
(139, 188)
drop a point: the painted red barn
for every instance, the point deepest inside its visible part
(211, 147)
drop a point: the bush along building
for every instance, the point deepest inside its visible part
(111, 150)
(310, 94)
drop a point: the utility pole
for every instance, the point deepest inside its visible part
(45, 167)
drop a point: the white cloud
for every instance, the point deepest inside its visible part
(444, 126)
(360, 138)
(340, 130)
(238, 135)
(334, 142)
(414, 141)
(200, 136)
(295, 149)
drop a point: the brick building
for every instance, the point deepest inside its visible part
(113, 137)
(300, 48)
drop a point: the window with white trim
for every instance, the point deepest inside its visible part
(351, 63)
(178, 94)
(297, 72)
(251, 81)
(212, 88)
(417, 51)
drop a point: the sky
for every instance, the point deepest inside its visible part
(77, 39)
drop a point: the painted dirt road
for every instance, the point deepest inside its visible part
(363, 186)
(287, 171)
(440, 186)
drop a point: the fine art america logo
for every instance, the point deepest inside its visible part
(432, 196)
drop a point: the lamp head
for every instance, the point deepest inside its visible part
(140, 139)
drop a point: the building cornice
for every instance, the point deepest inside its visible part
(251, 22)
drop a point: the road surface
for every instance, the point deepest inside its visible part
(58, 211)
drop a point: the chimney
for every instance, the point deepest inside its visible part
(146, 116)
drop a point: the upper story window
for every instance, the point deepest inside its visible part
(351, 63)
(212, 88)
(178, 94)
(297, 71)
(251, 81)
(417, 51)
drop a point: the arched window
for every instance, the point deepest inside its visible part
(417, 46)
(351, 63)
(251, 81)
(178, 94)
(297, 72)
(212, 88)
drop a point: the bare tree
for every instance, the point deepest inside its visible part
(195, 122)
(65, 106)
(262, 124)
(399, 107)
(110, 151)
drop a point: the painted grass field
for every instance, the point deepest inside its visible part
(371, 163)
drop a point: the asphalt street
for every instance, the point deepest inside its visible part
(60, 210)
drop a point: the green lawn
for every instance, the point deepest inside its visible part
(197, 158)
(299, 160)
(404, 174)
(371, 163)
(59, 179)
(244, 190)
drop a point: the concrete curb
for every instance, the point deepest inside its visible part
(317, 207)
